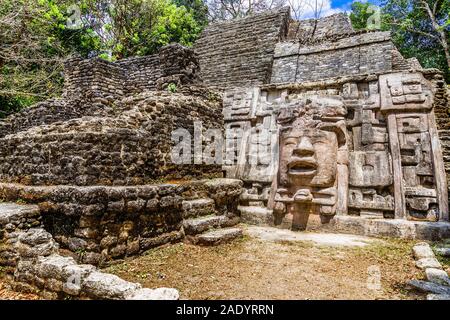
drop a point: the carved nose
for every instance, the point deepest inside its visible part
(304, 148)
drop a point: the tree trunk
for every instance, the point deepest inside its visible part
(437, 28)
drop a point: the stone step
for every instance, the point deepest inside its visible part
(256, 215)
(13, 215)
(202, 224)
(198, 208)
(219, 236)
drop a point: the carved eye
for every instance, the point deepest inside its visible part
(290, 141)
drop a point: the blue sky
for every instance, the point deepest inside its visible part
(344, 5)
(328, 6)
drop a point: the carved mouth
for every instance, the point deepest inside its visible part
(302, 167)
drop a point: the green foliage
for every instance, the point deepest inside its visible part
(411, 29)
(197, 8)
(361, 13)
(141, 27)
(172, 87)
(36, 37)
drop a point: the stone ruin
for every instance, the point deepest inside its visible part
(319, 119)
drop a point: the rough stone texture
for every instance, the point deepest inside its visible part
(437, 276)
(313, 30)
(19, 216)
(427, 263)
(105, 223)
(397, 228)
(133, 146)
(198, 208)
(99, 284)
(216, 237)
(425, 286)
(363, 146)
(33, 261)
(357, 54)
(154, 294)
(240, 52)
(443, 251)
(256, 215)
(438, 296)
(422, 250)
(199, 225)
(98, 80)
(373, 148)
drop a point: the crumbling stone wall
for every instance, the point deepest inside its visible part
(240, 52)
(32, 262)
(442, 110)
(95, 79)
(51, 111)
(101, 223)
(131, 146)
(94, 87)
(141, 73)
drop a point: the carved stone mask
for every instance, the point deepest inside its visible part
(308, 157)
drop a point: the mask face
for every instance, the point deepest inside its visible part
(308, 157)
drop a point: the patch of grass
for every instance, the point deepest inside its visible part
(445, 261)
(389, 249)
(20, 201)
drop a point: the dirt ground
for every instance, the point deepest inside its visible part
(275, 264)
(256, 268)
(6, 293)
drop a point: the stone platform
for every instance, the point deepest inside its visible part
(396, 228)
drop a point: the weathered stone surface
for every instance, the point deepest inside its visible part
(443, 251)
(154, 294)
(219, 236)
(109, 150)
(248, 42)
(422, 250)
(354, 54)
(256, 215)
(199, 225)
(425, 286)
(53, 266)
(438, 296)
(426, 263)
(437, 276)
(99, 223)
(308, 164)
(11, 212)
(103, 285)
(397, 228)
(198, 207)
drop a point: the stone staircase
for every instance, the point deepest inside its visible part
(203, 225)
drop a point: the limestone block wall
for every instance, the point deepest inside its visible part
(51, 111)
(358, 54)
(31, 261)
(131, 146)
(94, 78)
(101, 81)
(240, 52)
(94, 87)
(442, 110)
(141, 73)
(101, 223)
(336, 25)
